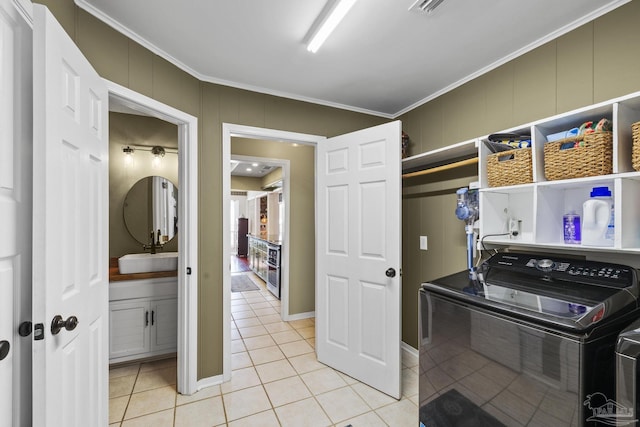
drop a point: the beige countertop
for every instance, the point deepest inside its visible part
(274, 239)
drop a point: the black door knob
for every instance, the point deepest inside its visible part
(58, 323)
(391, 272)
(4, 349)
(25, 328)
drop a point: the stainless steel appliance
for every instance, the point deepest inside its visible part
(628, 375)
(273, 266)
(531, 342)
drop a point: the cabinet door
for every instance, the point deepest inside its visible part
(128, 328)
(164, 315)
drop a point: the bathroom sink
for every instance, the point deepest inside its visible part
(146, 263)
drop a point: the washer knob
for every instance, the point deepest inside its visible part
(545, 265)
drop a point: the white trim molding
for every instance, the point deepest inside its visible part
(188, 217)
(228, 131)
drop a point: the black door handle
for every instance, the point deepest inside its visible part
(391, 272)
(58, 323)
(25, 328)
(4, 349)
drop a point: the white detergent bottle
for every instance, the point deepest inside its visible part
(597, 217)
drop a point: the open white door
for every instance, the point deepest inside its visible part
(70, 232)
(358, 286)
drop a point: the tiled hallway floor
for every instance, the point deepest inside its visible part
(276, 381)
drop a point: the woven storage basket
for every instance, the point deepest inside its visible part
(509, 167)
(595, 157)
(635, 151)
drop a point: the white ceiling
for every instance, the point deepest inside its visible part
(252, 169)
(382, 59)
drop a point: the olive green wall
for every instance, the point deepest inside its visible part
(594, 63)
(129, 129)
(301, 214)
(275, 175)
(246, 183)
(125, 62)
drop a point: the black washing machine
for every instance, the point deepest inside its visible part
(530, 342)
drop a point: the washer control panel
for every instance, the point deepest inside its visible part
(592, 272)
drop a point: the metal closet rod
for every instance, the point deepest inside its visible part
(441, 168)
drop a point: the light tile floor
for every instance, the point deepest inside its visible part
(276, 381)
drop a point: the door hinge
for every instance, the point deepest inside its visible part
(188, 271)
(38, 331)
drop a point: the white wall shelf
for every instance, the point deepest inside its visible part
(540, 205)
(465, 149)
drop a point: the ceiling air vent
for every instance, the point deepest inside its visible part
(425, 6)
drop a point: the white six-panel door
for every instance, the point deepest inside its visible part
(70, 231)
(358, 243)
(15, 214)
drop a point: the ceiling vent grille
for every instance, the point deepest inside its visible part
(425, 6)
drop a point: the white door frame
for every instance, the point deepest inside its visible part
(228, 131)
(188, 221)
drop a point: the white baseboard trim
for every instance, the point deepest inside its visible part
(299, 316)
(410, 355)
(209, 381)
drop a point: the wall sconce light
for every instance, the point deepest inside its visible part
(158, 153)
(128, 155)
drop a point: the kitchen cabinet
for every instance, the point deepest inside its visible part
(143, 316)
(264, 214)
(258, 252)
(128, 331)
(142, 327)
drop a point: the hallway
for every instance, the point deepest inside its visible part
(239, 264)
(276, 381)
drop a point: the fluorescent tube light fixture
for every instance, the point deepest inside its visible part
(332, 18)
(426, 6)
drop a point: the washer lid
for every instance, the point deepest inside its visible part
(572, 295)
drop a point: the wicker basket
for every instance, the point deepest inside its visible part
(635, 151)
(509, 167)
(594, 157)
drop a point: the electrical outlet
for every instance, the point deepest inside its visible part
(423, 243)
(514, 227)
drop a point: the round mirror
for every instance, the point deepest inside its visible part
(151, 206)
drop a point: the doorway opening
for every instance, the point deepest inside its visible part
(258, 225)
(125, 100)
(229, 132)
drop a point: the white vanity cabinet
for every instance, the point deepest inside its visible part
(143, 318)
(538, 207)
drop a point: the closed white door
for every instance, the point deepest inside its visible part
(358, 286)
(70, 226)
